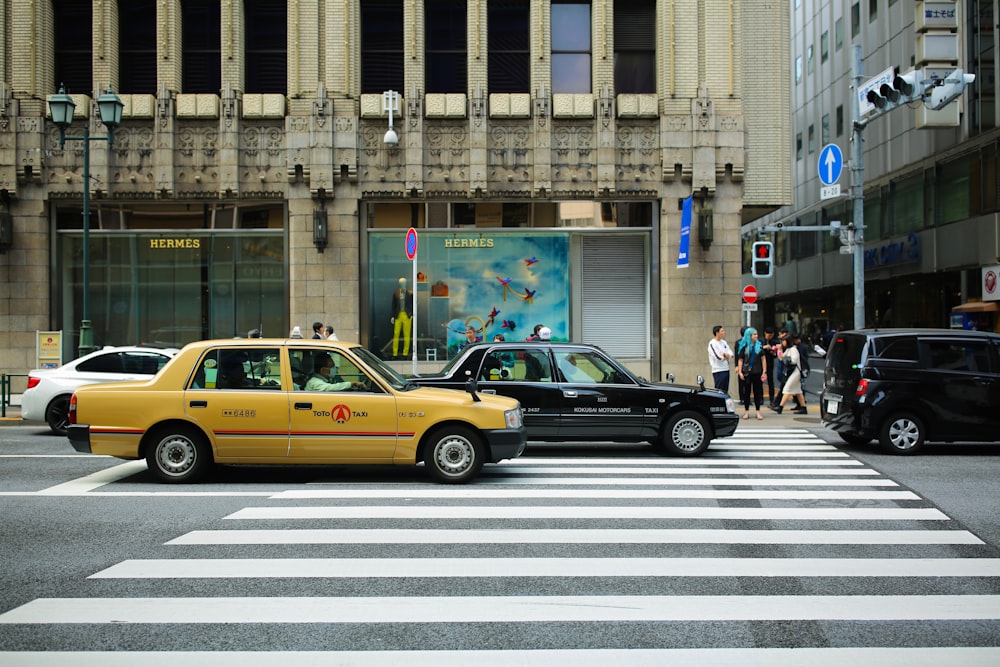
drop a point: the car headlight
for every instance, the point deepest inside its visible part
(730, 405)
(514, 418)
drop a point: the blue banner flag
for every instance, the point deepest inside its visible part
(685, 244)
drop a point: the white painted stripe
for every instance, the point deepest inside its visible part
(54, 456)
(835, 453)
(654, 462)
(591, 512)
(933, 656)
(453, 568)
(498, 609)
(95, 480)
(735, 446)
(592, 481)
(586, 470)
(571, 536)
(716, 494)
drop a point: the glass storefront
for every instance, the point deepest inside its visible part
(172, 285)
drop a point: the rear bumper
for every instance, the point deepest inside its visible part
(506, 443)
(79, 437)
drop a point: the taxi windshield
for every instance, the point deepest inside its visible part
(384, 371)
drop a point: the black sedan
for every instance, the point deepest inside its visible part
(576, 392)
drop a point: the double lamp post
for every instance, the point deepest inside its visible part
(62, 107)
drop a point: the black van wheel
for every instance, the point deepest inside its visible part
(902, 433)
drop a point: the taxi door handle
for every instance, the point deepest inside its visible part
(569, 393)
(199, 404)
(303, 406)
(487, 391)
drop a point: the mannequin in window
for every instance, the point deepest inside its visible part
(402, 314)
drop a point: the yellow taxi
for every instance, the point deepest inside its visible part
(295, 401)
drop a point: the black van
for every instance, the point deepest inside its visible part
(905, 386)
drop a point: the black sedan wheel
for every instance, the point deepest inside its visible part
(454, 454)
(902, 433)
(57, 415)
(178, 454)
(685, 434)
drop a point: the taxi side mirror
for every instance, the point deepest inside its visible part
(472, 388)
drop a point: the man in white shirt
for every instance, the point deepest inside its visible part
(719, 355)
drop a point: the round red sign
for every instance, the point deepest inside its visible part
(411, 243)
(750, 294)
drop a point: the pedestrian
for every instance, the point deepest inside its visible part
(317, 330)
(793, 382)
(803, 349)
(751, 367)
(534, 334)
(719, 354)
(545, 334)
(330, 335)
(771, 345)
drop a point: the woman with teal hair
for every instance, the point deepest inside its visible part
(751, 369)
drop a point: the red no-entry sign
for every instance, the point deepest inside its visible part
(750, 294)
(411, 243)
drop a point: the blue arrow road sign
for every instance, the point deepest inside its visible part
(831, 164)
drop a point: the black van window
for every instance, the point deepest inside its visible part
(968, 356)
(903, 348)
(845, 355)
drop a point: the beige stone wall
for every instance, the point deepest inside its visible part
(714, 129)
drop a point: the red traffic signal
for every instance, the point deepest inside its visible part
(762, 263)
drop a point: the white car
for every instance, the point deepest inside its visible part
(49, 389)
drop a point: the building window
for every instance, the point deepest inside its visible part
(812, 139)
(73, 46)
(838, 34)
(137, 47)
(266, 46)
(635, 46)
(571, 47)
(202, 53)
(855, 19)
(382, 46)
(840, 119)
(810, 60)
(445, 30)
(824, 46)
(825, 130)
(798, 147)
(798, 69)
(872, 10)
(509, 50)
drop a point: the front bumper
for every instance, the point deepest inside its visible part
(79, 437)
(725, 424)
(506, 443)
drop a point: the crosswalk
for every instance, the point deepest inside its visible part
(774, 548)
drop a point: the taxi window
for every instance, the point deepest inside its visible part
(580, 367)
(243, 368)
(498, 365)
(529, 365)
(331, 370)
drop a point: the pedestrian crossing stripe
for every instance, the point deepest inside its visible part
(713, 494)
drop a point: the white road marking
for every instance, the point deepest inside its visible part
(454, 568)
(505, 609)
(658, 462)
(571, 536)
(95, 480)
(715, 494)
(522, 512)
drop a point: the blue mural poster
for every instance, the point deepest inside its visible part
(489, 282)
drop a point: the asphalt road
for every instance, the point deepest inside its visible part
(774, 548)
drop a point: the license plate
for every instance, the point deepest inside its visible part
(832, 407)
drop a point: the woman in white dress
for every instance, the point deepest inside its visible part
(793, 385)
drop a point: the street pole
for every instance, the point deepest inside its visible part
(858, 192)
(86, 333)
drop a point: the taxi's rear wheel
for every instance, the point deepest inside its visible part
(454, 454)
(178, 454)
(685, 434)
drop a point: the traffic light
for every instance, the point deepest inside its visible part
(762, 263)
(902, 89)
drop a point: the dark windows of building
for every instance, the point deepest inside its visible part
(446, 29)
(509, 48)
(137, 47)
(855, 19)
(810, 60)
(981, 48)
(824, 46)
(812, 139)
(907, 204)
(382, 46)
(202, 52)
(73, 26)
(952, 192)
(798, 146)
(266, 46)
(872, 10)
(571, 47)
(838, 34)
(798, 69)
(825, 130)
(635, 46)
(840, 120)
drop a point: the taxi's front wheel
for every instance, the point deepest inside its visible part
(178, 454)
(454, 454)
(685, 434)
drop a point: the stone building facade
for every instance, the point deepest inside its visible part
(217, 211)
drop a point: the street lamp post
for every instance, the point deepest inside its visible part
(62, 107)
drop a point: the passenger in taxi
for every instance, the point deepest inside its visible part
(322, 378)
